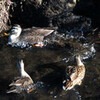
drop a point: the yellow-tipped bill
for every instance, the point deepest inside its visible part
(6, 34)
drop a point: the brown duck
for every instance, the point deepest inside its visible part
(74, 74)
(22, 83)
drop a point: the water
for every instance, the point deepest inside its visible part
(46, 67)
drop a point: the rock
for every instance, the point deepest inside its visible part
(41, 12)
(89, 9)
(4, 13)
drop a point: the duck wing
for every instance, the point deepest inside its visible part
(81, 72)
(15, 89)
(71, 73)
(22, 84)
(36, 31)
(18, 89)
(34, 34)
(20, 81)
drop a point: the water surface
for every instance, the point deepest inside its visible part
(46, 66)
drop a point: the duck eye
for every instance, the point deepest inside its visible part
(13, 30)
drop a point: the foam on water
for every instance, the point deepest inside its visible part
(20, 44)
(90, 52)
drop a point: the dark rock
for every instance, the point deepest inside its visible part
(45, 13)
(41, 12)
(89, 9)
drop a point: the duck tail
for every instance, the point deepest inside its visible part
(11, 84)
(10, 91)
(67, 85)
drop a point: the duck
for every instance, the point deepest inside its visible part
(24, 83)
(25, 37)
(74, 74)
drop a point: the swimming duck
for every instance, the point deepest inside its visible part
(74, 74)
(31, 36)
(22, 83)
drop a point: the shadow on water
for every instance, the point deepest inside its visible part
(47, 66)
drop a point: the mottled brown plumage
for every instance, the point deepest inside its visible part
(22, 83)
(74, 75)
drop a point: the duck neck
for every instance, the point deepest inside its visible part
(79, 62)
(23, 73)
(13, 38)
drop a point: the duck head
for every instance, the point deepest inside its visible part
(15, 33)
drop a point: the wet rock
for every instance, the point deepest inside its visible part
(84, 7)
(41, 12)
(4, 13)
(89, 9)
(71, 4)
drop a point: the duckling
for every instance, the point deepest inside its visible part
(31, 36)
(74, 74)
(22, 83)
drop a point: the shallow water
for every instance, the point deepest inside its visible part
(47, 65)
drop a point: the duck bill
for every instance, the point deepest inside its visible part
(4, 34)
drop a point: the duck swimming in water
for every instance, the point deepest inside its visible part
(31, 36)
(22, 83)
(74, 75)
